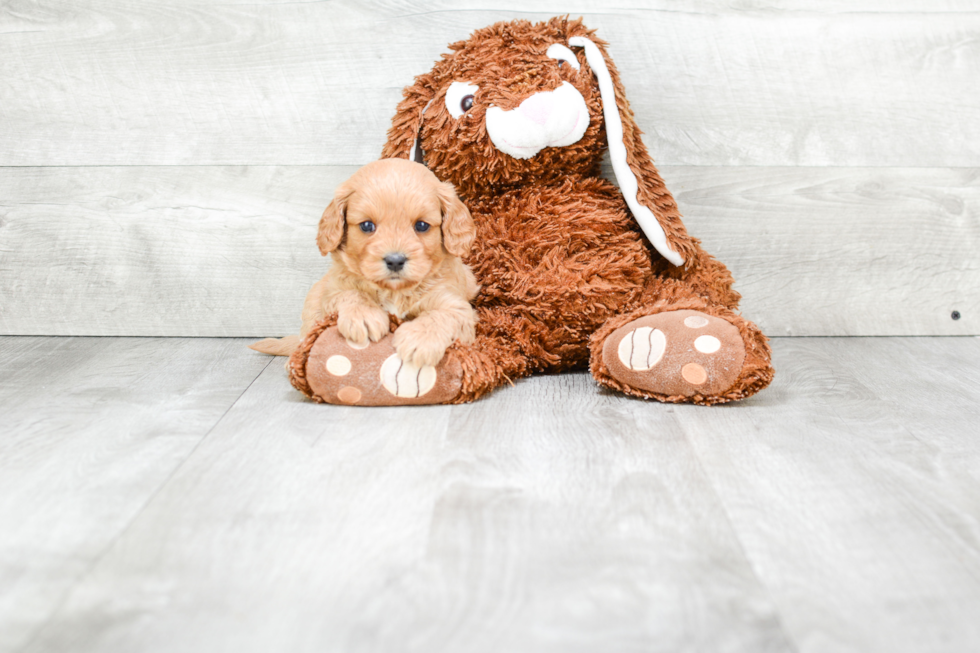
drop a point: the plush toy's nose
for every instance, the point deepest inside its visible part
(547, 119)
(538, 107)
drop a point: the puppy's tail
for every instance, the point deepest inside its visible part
(276, 346)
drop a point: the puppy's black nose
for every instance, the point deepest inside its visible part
(395, 262)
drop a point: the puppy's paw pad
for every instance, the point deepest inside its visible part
(417, 346)
(361, 324)
(372, 374)
(679, 353)
(353, 331)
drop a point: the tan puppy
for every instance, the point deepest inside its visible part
(395, 234)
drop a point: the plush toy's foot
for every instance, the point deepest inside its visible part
(676, 356)
(334, 371)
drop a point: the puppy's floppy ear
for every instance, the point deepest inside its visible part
(458, 228)
(651, 203)
(406, 126)
(333, 220)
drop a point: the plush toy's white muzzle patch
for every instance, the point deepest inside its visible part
(551, 119)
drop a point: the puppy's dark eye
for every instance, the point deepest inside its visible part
(561, 63)
(466, 103)
(367, 227)
(421, 226)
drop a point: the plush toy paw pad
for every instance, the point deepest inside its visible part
(642, 348)
(405, 380)
(372, 374)
(682, 353)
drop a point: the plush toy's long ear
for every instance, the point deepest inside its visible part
(648, 198)
(458, 228)
(406, 127)
(332, 222)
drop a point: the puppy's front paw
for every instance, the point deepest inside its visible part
(416, 346)
(360, 323)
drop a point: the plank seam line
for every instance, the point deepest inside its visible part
(108, 547)
(777, 613)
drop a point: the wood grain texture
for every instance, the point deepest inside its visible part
(229, 251)
(843, 251)
(90, 429)
(552, 517)
(761, 83)
(836, 511)
(854, 485)
(160, 251)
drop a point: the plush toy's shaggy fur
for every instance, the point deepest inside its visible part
(561, 261)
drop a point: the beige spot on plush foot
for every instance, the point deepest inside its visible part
(694, 374)
(338, 365)
(642, 348)
(355, 345)
(349, 395)
(695, 321)
(707, 344)
(404, 380)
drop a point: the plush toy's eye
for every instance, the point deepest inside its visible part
(459, 98)
(421, 226)
(563, 55)
(367, 226)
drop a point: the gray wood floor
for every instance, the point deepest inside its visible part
(178, 495)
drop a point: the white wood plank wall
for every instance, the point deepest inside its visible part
(163, 164)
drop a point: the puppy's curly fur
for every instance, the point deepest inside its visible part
(387, 211)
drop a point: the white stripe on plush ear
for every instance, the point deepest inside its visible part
(561, 53)
(415, 154)
(617, 152)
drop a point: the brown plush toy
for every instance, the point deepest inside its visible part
(573, 270)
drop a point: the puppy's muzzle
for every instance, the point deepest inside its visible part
(395, 262)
